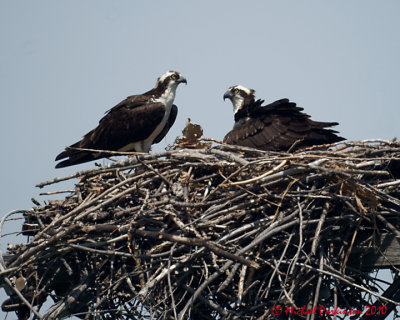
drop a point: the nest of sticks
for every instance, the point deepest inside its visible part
(215, 233)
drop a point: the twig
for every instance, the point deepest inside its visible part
(273, 170)
(315, 242)
(317, 288)
(171, 293)
(197, 242)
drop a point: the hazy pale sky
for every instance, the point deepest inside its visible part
(64, 63)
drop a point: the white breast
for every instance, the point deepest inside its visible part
(144, 145)
(149, 141)
(166, 98)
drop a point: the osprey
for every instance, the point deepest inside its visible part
(132, 125)
(279, 126)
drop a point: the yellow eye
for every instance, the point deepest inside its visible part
(236, 91)
(173, 77)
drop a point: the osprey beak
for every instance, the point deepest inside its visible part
(228, 95)
(182, 80)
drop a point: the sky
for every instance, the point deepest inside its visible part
(64, 63)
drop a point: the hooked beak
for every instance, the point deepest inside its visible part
(182, 80)
(228, 95)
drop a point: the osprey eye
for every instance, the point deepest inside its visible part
(236, 91)
(173, 77)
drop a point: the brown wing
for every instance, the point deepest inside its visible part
(131, 102)
(278, 126)
(127, 122)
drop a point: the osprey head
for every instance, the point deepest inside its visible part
(166, 85)
(239, 96)
(170, 79)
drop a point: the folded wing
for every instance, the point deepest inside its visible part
(280, 125)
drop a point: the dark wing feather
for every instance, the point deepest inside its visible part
(125, 125)
(129, 121)
(131, 102)
(168, 125)
(278, 126)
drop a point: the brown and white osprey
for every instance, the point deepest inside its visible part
(132, 125)
(275, 127)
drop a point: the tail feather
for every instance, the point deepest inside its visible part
(76, 158)
(63, 155)
(323, 136)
